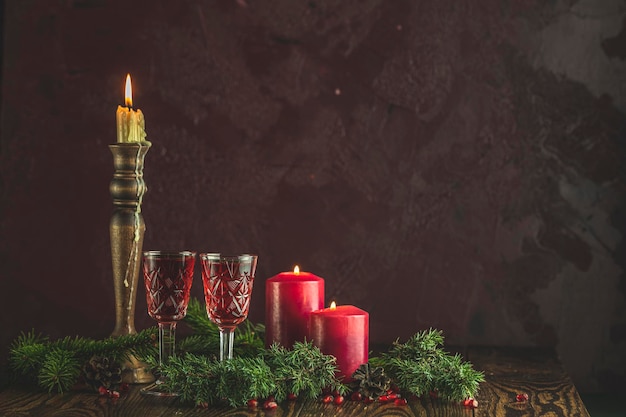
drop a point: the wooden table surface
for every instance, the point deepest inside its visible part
(508, 371)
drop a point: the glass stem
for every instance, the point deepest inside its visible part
(227, 337)
(167, 340)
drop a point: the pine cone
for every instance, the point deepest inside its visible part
(102, 372)
(370, 382)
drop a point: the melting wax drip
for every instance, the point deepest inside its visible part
(133, 257)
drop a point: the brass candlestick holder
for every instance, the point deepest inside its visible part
(127, 229)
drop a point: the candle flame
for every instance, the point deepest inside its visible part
(333, 305)
(128, 92)
(296, 270)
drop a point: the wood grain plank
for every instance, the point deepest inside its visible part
(536, 372)
(415, 408)
(15, 402)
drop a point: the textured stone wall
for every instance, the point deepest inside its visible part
(450, 164)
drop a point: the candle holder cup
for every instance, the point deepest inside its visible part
(127, 229)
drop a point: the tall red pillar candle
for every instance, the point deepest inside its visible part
(289, 299)
(341, 331)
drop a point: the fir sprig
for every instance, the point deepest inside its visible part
(56, 365)
(203, 380)
(27, 352)
(59, 370)
(420, 366)
(303, 371)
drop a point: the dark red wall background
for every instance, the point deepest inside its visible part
(449, 164)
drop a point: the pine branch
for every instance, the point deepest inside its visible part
(122, 347)
(303, 371)
(421, 366)
(59, 371)
(198, 344)
(249, 339)
(202, 380)
(56, 365)
(252, 373)
(27, 352)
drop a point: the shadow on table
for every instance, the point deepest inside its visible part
(604, 405)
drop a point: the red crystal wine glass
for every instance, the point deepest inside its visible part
(227, 289)
(167, 277)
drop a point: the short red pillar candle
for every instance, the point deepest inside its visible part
(341, 331)
(289, 299)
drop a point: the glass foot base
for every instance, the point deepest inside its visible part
(156, 389)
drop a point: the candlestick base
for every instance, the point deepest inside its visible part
(135, 371)
(127, 230)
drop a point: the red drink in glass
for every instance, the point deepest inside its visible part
(227, 289)
(168, 279)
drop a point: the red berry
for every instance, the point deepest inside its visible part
(269, 405)
(368, 400)
(391, 397)
(114, 394)
(327, 399)
(383, 398)
(292, 397)
(338, 399)
(356, 396)
(400, 401)
(253, 403)
(523, 397)
(335, 393)
(470, 403)
(103, 391)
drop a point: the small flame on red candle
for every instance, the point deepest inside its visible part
(296, 270)
(128, 92)
(333, 305)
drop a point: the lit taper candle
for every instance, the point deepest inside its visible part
(131, 126)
